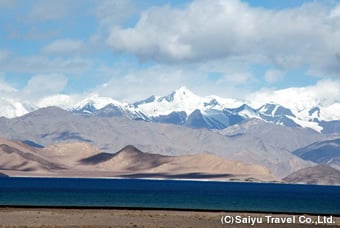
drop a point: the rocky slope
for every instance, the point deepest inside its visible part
(16, 156)
(320, 174)
(323, 152)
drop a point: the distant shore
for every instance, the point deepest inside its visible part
(76, 217)
(162, 178)
(143, 178)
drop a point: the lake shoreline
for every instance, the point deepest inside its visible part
(33, 207)
(161, 179)
(76, 217)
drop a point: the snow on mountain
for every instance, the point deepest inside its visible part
(182, 100)
(272, 110)
(275, 113)
(94, 102)
(179, 107)
(330, 112)
(304, 124)
(12, 108)
(186, 108)
(179, 100)
(245, 111)
(59, 100)
(219, 103)
(183, 107)
(303, 101)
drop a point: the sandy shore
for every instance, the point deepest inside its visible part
(52, 217)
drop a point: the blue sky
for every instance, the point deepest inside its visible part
(129, 49)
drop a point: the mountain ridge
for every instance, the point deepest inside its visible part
(183, 107)
(255, 144)
(324, 152)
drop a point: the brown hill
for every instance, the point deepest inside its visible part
(320, 174)
(82, 159)
(127, 159)
(16, 156)
(132, 162)
(69, 154)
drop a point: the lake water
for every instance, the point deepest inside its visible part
(169, 194)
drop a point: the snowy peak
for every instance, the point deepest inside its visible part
(173, 100)
(181, 100)
(94, 103)
(275, 110)
(246, 111)
(184, 93)
(180, 95)
(243, 107)
(222, 103)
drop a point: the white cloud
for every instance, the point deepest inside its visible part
(40, 91)
(335, 13)
(325, 94)
(5, 87)
(60, 100)
(325, 91)
(139, 84)
(64, 47)
(207, 30)
(136, 84)
(32, 34)
(237, 79)
(273, 76)
(332, 112)
(50, 10)
(43, 85)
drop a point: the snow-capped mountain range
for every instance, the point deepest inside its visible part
(182, 107)
(13, 107)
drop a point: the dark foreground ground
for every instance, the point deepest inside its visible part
(58, 217)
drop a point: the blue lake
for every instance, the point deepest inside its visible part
(169, 194)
